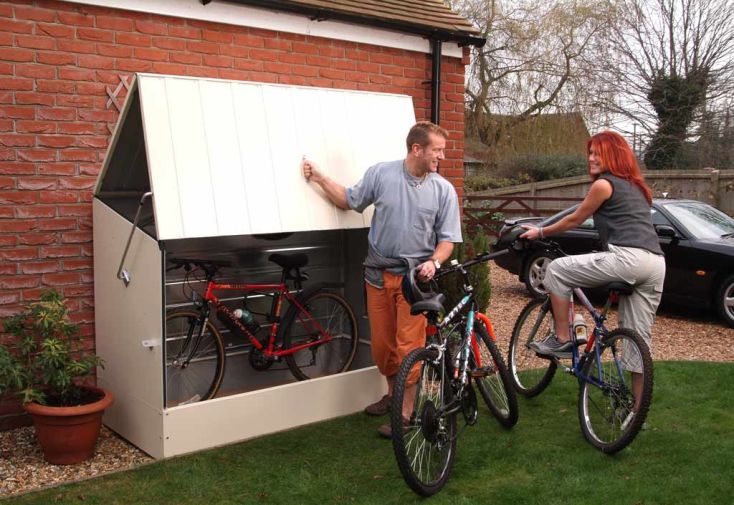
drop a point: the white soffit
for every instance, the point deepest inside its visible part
(224, 156)
(242, 15)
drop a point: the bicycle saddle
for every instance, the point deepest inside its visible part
(288, 261)
(433, 304)
(623, 288)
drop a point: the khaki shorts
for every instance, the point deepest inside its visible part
(639, 267)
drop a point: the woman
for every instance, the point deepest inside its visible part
(620, 202)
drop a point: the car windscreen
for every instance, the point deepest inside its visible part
(701, 220)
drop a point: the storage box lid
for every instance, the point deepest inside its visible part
(223, 157)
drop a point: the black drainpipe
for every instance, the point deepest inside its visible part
(436, 81)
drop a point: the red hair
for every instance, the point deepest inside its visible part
(616, 156)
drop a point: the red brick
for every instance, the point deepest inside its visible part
(186, 58)
(392, 70)
(57, 114)
(107, 116)
(56, 141)
(263, 55)
(146, 53)
(278, 44)
(133, 39)
(133, 66)
(7, 241)
(114, 51)
(7, 182)
(86, 169)
(14, 54)
(17, 225)
(32, 211)
(114, 23)
(249, 40)
(304, 71)
(94, 88)
(80, 100)
(77, 46)
(380, 58)
(166, 43)
(201, 72)
(75, 210)
(17, 112)
(356, 55)
(64, 279)
(96, 35)
(292, 58)
(169, 68)
(248, 64)
(55, 30)
(76, 237)
(19, 254)
(215, 36)
(13, 26)
(93, 61)
(17, 168)
(78, 182)
(328, 73)
(184, 32)
(15, 140)
(34, 13)
(332, 52)
(293, 80)
(234, 75)
(36, 183)
(39, 267)
(301, 47)
(217, 61)
(34, 99)
(7, 69)
(235, 51)
(57, 169)
(19, 282)
(35, 71)
(56, 59)
(57, 197)
(59, 252)
(7, 155)
(6, 125)
(78, 264)
(35, 42)
(202, 47)
(76, 74)
(151, 28)
(95, 142)
(35, 126)
(37, 239)
(77, 128)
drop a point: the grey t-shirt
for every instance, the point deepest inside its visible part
(411, 216)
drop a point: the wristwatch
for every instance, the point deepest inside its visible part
(436, 263)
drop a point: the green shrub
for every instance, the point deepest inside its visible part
(545, 168)
(474, 243)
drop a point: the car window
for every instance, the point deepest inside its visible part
(701, 220)
(658, 218)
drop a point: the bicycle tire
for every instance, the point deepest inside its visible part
(530, 373)
(194, 370)
(603, 411)
(496, 387)
(429, 434)
(336, 317)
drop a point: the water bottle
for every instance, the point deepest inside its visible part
(579, 329)
(245, 316)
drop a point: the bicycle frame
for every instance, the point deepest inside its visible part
(279, 292)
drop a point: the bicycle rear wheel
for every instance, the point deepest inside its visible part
(194, 359)
(606, 398)
(493, 379)
(336, 318)
(529, 372)
(425, 448)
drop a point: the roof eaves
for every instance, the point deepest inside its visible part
(462, 37)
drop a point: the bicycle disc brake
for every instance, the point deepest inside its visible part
(469, 408)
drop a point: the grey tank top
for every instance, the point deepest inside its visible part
(624, 219)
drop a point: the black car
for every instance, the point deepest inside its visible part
(697, 239)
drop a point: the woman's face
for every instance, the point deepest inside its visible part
(595, 164)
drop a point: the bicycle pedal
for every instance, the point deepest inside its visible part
(484, 371)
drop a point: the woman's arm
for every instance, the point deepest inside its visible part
(600, 191)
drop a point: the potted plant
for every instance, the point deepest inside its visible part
(47, 370)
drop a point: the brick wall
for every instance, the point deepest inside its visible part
(57, 63)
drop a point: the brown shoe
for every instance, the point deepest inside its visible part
(385, 430)
(380, 407)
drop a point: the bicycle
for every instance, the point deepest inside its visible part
(459, 347)
(317, 336)
(610, 417)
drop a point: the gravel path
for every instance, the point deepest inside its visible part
(678, 334)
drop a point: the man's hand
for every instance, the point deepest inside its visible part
(426, 271)
(311, 170)
(532, 233)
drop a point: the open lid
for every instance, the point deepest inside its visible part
(223, 157)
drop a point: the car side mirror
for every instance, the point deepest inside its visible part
(663, 230)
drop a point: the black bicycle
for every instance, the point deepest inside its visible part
(460, 349)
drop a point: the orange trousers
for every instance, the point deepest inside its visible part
(393, 330)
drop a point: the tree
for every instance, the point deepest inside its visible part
(668, 59)
(533, 62)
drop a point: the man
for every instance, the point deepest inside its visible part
(416, 216)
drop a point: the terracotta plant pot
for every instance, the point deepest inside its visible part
(68, 435)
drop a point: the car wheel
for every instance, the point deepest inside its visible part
(535, 269)
(725, 300)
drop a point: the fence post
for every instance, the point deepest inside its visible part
(715, 192)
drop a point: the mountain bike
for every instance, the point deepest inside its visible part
(460, 349)
(609, 414)
(316, 336)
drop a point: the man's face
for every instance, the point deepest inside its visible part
(430, 155)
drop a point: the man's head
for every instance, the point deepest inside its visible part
(426, 143)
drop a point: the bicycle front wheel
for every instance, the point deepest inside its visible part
(194, 359)
(609, 414)
(425, 447)
(493, 379)
(327, 330)
(529, 372)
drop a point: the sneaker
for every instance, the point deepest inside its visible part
(385, 430)
(380, 407)
(552, 347)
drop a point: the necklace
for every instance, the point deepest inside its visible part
(413, 180)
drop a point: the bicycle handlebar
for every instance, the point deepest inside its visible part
(480, 258)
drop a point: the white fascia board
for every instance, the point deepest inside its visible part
(243, 15)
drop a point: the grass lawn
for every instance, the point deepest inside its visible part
(686, 456)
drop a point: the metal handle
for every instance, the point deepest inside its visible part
(124, 274)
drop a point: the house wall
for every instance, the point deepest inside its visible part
(61, 71)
